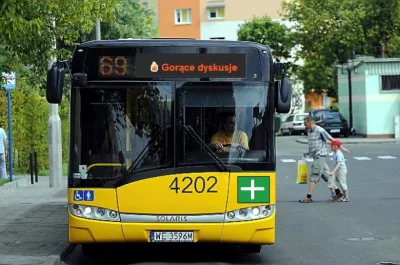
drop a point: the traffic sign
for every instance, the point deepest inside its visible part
(253, 189)
(9, 80)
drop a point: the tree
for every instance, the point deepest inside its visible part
(132, 21)
(381, 26)
(328, 32)
(332, 32)
(267, 32)
(28, 32)
(280, 39)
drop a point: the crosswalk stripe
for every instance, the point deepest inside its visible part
(362, 158)
(288, 160)
(359, 158)
(386, 157)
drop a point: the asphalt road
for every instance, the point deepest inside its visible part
(363, 231)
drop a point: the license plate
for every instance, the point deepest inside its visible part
(171, 236)
(335, 130)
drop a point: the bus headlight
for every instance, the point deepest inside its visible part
(94, 213)
(250, 213)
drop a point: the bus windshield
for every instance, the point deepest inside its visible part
(136, 126)
(130, 125)
(226, 114)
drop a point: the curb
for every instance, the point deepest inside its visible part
(64, 254)
(303, 141)
(21, 182)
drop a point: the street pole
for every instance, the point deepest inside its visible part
(54, 138)
(350, 98)
(10, 153)
(98, 29)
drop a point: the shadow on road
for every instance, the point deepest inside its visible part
(31, 226)
(180, 253)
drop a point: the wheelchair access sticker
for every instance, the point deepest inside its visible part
(83, 195)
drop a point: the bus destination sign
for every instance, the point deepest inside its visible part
(191, 65)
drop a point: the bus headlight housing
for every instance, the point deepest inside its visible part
(250, 213)
(94, 213)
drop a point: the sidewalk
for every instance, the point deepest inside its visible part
(33, 222)
(358, 140)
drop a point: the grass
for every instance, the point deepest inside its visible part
(3, 181)
(46, 172)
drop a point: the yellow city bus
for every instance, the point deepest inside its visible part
(144, 119)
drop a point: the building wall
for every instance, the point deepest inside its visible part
(374, 110)
(167, 25)
(316, 100)
(226, 29)
(358, 100)
(382, 107)
(235, 12)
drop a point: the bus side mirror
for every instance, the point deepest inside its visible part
(283, 90)
(54, 85)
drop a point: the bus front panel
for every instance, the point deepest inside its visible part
(144, 167)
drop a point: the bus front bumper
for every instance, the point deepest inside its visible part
(260, 231)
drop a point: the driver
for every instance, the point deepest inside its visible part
(228, 135)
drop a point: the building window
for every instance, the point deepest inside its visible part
(390, 82)
(216, 12)
(217, 38)
(145, 4)
(183, 16)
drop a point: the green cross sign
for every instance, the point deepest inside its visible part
(253, 189)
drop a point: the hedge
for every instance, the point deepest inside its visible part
(30, 113)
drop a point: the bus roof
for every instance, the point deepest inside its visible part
(170, 42)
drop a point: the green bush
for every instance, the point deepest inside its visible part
(30, 113)
(334, 106)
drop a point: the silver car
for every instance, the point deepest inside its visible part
(294, 124)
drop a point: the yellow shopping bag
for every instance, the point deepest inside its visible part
(302, 172)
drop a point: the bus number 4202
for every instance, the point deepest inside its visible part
(197, 185)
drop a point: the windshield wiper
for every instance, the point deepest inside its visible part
(142, 155)
(221, 165)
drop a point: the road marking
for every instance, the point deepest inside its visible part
(387, 157)
(252, 189)
(288, 160)
(362, 158)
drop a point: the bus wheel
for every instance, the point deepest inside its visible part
(251, 248)
(89, 249)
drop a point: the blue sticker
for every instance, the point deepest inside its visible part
(88, 195)
(78, 195)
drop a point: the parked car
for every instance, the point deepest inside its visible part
(316, 112)
(294, 124)
(333, 122)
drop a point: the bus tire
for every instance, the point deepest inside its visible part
(251, 248)
(89, 249)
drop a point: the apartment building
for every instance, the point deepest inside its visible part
(208, 19)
